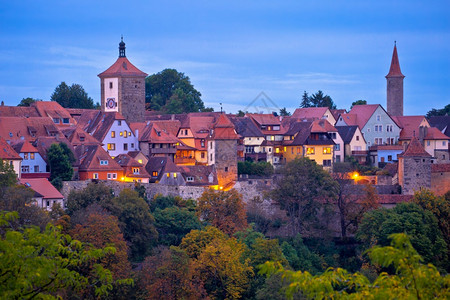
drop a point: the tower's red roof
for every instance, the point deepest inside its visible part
(122, 67)
(395, 71)
(415, 149)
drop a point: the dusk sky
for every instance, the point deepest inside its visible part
(233, 50)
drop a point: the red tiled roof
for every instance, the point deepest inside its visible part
(362, 113)
(51, 109)
(98, 123)
(322, 126)
(349, 119)
(7, 152)
(224, 129)
(410, 125)
(122, 67)
(264, 119)
(18, 111)
(43, 187)
(78, 136)
(152, 133)
(90, 157)
(22, 146)
(26, 128)
(337, 112)
(437, 168)
(394, 70)
(387, 147)
(415, 149)
(309, 113)
(434, 134)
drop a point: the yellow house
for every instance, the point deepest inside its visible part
(309, 139)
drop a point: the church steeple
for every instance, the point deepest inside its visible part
(395, 86)
(121, 48)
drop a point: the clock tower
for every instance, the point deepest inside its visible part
(123, 88)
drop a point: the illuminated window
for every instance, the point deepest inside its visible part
(299, 150)
(129, 133)
(113, 134)
(125, 133)
(154, 173)
(326, 150)
(111, 146)
(25, 156)
(31, 155)
(95, 176)
(309, 150)
(284, 149)
(121, 133)
(140, 161)
(174, 175)
(277, 150)
(168, 175)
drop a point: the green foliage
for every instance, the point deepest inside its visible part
(93, 193)
(171, 91)
(260, 168)
(72, 97)
(304, 189)
(44, 264)
(27, 101)
(358, 102)
(300, 257)
(240, 113)
(439, 112)
(173, 223)
(412, 279)
(317, 100)
(60, 159)
(422, 226)
(284, 112)
(7, 175)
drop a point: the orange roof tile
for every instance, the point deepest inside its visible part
(18, 111)
(224, 129)
(7, 152)
(27, 128)
(23, 146)
(410, 125)
(43, 187)
(394, 70)
(322, 126)
(309, 112)
(438, 168)
(415, 149)
(434, 134)
(122, 67)
(362, 113)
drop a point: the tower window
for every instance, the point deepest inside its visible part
(110, 85)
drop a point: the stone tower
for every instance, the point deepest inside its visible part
(123, 88)
(414, 168)
(395, 87)
(225, 141)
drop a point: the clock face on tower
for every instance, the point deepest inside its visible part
(111, 104)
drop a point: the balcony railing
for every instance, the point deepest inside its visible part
(163, 150)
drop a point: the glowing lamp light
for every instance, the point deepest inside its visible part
(221, 188)
(123, 178)
(355, 176)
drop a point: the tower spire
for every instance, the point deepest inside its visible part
(395, 64)
(121, 47)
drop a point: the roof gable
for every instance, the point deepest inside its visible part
(122, 67)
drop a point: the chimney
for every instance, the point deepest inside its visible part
(423, 131)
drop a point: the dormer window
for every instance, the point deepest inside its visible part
(190, 179)
(56, 120)
(82, 138)
(65, 120)
(103, 162)
(135, 170)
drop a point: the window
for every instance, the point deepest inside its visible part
(210, 145)
(333, 135)
(326, 150)
(103, 162)
(113, 134)
(337, 147)
(110, 85)
(189, 179)
(155, 174)
(378, 141)
(202, 143)
(226, 169)
(111, 146)
(210, 156)
(56, 120)
(65, 120)
(174, 175)
(119, 122)
(129, 133)
(81, 138)
(309, 150)
(109, 176)
(389, 157)
(125, 146)
(389, 128)
(125, 133)
(132, 145)
(95, 176)
(135, 170)
(338, 158)
(428, 143)
(299, 150)
(378, 117)
(443, 143)
(357, 137)
(378, 128)
(32, 156)
(36, 169)
(326, 163)
(25, 169)
(25, 156)
(47, 203)
(202, 155)
(185, 132)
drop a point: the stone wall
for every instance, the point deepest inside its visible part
(132, 98)
(226, 161)
(440, 182)
(416, 174)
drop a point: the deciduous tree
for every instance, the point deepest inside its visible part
(223, 209)
(72, 97)
(60, 162)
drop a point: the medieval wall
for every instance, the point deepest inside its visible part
(132, 98)
(416, 174)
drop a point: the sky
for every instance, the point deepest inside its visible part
(247, 55)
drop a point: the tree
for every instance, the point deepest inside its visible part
(60, 162)
(303, 189)
(173, 223)
(44, 264)
(240, 113)
(284, 112)
(72, 97)
(171, 91)
(260, 168)
(358, 102)
(422, 226)
(27, 101)
(439, 112)
(169, 275)
(94, 193)
(8, 177)
(196, 240)
(300, 257)
(305, 100)
(223, 209)
(412, 279)
(320, 100)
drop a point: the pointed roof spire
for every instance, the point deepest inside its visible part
(395, 71)
(121, 47)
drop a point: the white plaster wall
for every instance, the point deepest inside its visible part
(111, 92)
(120, 140)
